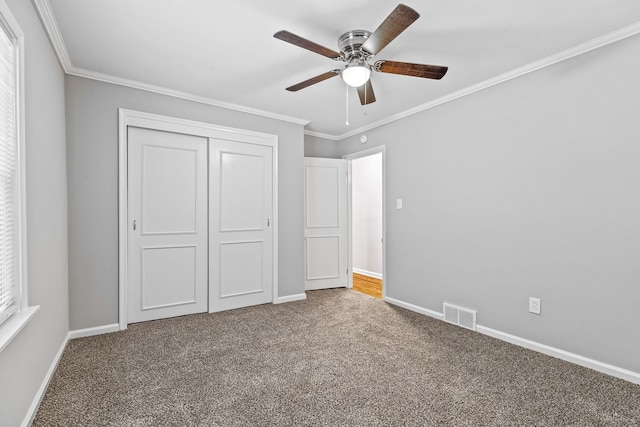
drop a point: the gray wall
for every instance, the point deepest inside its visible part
(92, 156)
(320, 147)
(25, 361)
(528, 188)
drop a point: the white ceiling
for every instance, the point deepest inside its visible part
(224, 51)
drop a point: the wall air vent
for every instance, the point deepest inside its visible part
(459, 316)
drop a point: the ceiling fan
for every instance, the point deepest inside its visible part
(357, 49)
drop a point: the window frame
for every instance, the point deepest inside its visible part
(14, 324)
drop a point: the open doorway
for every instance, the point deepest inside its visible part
(366, 221)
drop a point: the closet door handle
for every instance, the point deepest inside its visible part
(134, 224)
(268, 222)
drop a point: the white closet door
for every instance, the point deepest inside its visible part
(241, 236)
(325, 211)
(168, 253)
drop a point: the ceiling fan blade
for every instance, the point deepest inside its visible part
(409, 69)
(306, 44)
(313, 80)
(365, 92)
(397, 21)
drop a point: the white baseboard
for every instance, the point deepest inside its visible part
(415, 308)
(367, 273)
(35, 404)
(605, 368)
(98, 330)
(290, 298)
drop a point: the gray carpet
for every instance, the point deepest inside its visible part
(339, 358)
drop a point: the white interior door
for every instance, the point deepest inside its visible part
(167, 199)
(326, 225)
(241, 236)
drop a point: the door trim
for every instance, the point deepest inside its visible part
(349, 158)
(141, 119)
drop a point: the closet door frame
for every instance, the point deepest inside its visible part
(141, 119)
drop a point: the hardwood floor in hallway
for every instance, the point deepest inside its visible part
(367, 285)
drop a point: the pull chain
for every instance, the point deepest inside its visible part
(347, 105)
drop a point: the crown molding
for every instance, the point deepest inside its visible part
(45, 12)
(43, 7)
(322, 135)
(607, 39)
(108, 78)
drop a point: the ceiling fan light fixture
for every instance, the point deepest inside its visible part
(356, 75)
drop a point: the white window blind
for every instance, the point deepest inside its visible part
(9, 286)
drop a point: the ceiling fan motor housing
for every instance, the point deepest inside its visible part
(350, 46)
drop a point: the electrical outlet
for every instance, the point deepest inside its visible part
(534, 305)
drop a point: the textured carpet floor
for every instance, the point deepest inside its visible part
(339, 358)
